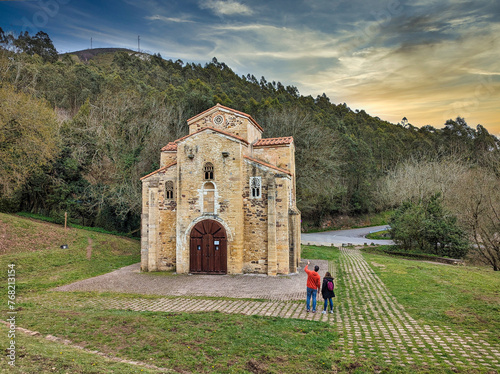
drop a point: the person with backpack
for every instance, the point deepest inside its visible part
(327, 291)
(313, 286)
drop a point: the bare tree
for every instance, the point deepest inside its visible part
(476, 201)
(471, 193)
(117, 141)
(415, 179)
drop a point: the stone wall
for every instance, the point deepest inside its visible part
(167, 157)
(263, 233)
(282, 223)
(193, 153)
(255, 227)
(227, 122)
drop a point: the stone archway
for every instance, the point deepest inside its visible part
(208, 248)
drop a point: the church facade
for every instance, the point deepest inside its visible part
(222, 201)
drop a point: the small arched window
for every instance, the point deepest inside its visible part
(208, 171)
(169, 190)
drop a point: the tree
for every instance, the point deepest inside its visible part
(427, 227)
(3, 37)
(317, 167)
(40, 44)
(28, 137)
(476, 199)
(417, 178)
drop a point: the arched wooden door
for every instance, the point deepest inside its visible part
(208, 248)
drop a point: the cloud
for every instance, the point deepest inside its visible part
(226, 8)
(283, 43)
(168, 19)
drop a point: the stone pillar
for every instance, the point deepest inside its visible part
(182, 247)
(152, 229)
(272, 261)
(295, 249)
(144, 227)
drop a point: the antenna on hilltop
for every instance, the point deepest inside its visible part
(138, 43)
(90, 43)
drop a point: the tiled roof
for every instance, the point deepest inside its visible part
(160, 169)
(228, 109)
(274, 141)
(268, 165)
(172, 146)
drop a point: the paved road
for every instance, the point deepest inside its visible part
(339, 237)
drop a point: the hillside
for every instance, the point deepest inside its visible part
(40, 262)
(111, 114)
(99, 55)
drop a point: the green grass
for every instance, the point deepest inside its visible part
(196, 342)
(40, 263)
(206, 342)
(320, 253)
(34, 354)
(60, 220)
(463, 296)
(376, 219)
(379, 235)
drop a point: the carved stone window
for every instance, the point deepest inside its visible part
(169, 190)
(208, 171)
(255, 187)
(218, 120)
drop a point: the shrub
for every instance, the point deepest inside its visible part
(425, 226)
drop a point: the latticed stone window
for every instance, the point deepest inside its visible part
(208, 170)
(255, 187)
(169, 190)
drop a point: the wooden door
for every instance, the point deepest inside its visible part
(208, 248)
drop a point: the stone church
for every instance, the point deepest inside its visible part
(222, 201)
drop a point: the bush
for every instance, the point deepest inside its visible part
(425, 226)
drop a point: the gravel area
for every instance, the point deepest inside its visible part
(255, 286)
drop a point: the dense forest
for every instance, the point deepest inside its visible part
(78, 130)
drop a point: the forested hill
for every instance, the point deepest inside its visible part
(97, 55)
(78, 132)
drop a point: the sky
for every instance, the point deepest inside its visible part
(426, 60)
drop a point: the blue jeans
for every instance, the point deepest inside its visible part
(326, 303)
(311, 292)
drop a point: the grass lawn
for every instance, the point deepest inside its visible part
(197, 342)
(463, 296)
(379, 235)
(40, 263)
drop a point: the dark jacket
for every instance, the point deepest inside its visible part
(324, 289)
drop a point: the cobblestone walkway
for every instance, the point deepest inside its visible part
(368, 318)
(374, 323)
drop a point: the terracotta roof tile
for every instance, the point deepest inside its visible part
(274, 141)
(159, 170)
(170, 147)
(268, 165)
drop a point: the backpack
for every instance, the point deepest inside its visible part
(329, 285)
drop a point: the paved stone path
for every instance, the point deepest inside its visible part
(374, 323)
(129, 279)
(368, 318)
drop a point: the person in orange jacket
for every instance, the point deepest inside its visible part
(313, 286)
